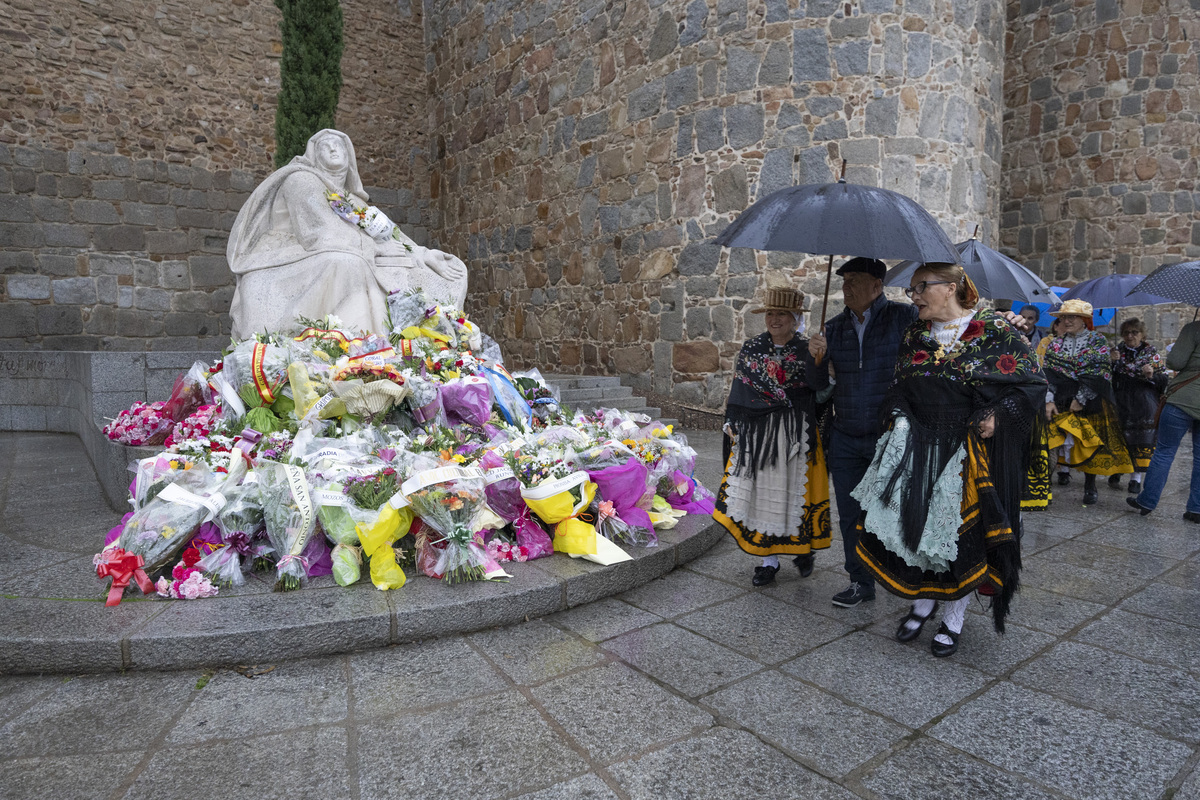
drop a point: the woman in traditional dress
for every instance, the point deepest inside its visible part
(942, 498)
(1080, 403)
(1138, 381)
(774, 498)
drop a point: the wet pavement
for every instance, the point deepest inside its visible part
(694, 685)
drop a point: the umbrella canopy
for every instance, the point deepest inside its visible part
(994, 274)
(841, 219)
(1114, 291)
(1100, 316)
(1178, 282)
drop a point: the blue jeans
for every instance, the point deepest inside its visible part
(847, 460)
(1172, 425)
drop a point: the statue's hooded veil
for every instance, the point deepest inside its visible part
(254, 219)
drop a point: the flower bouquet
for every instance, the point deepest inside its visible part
(240, 523)
(380, 517)
(425, 401)
(197, 425)
(467, 400)
(188, 581)
(191, 391)
(159, 530)
(140, 425)
(289, 517)
(504, 498)
(620, 490)
(413, 316)
(449, 500)
(368, 390)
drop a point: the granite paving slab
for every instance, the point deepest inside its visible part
(1145, 638)
(1049, 611)
(484, 747)
(815, 594)
(309, 764)
(1156, 696)
(64, 777)
(614, 712)
(680, 592)
(805, 722)
(752, 624)
(1164, 601)
(1080, 752)
(535, 651)
(424, 674)
(603, 619)
(722, 764)
(930, 770)
(1157, 534)
(681, 659)
(586, 787)
(1083, 570)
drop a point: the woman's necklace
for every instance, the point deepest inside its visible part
(948, 334)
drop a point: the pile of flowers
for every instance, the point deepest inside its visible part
(324, 450)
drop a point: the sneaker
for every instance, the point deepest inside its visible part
(854, 594)
(1141, 509)
(1191, 516)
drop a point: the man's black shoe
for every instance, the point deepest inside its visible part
(853, 595)
(1133, 503)
(1192, 516)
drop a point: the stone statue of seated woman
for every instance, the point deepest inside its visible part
(307, 244)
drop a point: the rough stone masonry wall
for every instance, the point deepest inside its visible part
(583, 152)
(130, 134)
(1102, 139)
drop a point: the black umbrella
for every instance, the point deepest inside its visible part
(994, 274)
(1115, 291)
(843, 219)
(1180, 282)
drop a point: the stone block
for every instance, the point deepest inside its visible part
(731, 16)
(682, 87)
(138, 323)
(852, 58)
(120, 238)
(57, 266)
(883, 116)
(730, 190)
(822, 105)
(592, 126)
(664, 39)
(810, 55)
(776, 172)
(23, 235)
(710, 129)
(646, 100)
(833, 130)
(695, 23)
(695, 357)
(59, 320)
(76, 291)
(741, 69)
(210, 271)
(27, 287)
(744, 124)
(776, 69)
(96, 212)
(15, 208)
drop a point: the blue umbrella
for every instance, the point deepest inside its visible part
(1114, 291)
(1179, 282)
(1100, 316)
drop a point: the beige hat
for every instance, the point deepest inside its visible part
(1073, 308)
(780, 296)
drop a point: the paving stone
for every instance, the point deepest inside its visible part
(82, 717)
(765, 629)
(1156, 534)
(17, 692)
(1190, 790)
(303, 763)
(1148, 640)
(291, 695)
(1080, 569)
(1050, 612)
(63, 777)
(679, 592)
(485, 747)
(722, 764)
(927, 769)
(1167, 602)
(815, 592)
(614, 712)
(1163, 698)
(806, 722)
(904, 682)
(603, 619)
(1076, 751)
(680, 658)
(535, 651)
(587, 787)
(398, 678)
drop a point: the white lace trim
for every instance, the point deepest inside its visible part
(773, 503)
(939, 539)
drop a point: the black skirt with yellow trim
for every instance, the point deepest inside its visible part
(989, 553)
(815, 530)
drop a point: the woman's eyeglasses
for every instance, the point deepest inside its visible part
(922, 286)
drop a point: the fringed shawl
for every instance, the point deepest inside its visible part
(768, 393)
(1090, 367)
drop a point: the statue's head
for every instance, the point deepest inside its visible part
(332, 153)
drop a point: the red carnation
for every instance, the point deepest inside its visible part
(1007, 364)
(191, 557)
(920, 357)
(974, 330)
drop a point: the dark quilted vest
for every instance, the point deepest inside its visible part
(863, 377)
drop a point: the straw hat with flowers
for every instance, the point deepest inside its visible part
(780, 296)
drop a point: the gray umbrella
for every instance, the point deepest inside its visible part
(840, 219)
(994, 274)
(1179, 282)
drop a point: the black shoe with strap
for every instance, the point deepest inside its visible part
(1064, 478)
(940, 650)
(764, 575)
(906, 633)
(805, 564)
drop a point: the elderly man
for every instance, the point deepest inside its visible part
(861, 344)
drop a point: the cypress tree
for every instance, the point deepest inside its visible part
(310, 73)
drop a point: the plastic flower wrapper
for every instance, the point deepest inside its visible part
(160, 530)
(542, 398)
(290, 518)
(504, 499)
(620, 489)
(369, 391)
(425, 401)
(686, 494)
(191, 391)
(507, 397)
(151, 475)
(555, 501)
(609, 453)
(140, 425)
(379, 522)
(449, 500)
(663, 515)
(414, 316)
(467, 400)
(256, 370)
(238, 522)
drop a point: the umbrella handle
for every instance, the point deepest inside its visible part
(825, 299)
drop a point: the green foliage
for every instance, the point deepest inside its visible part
(310, 73)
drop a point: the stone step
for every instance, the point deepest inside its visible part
(582, 381)
(594, 394)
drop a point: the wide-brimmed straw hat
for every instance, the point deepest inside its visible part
(780, 296)
(1073, 308)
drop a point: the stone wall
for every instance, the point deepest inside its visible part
(131, 133)
(584, 152)
(1101, 139)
